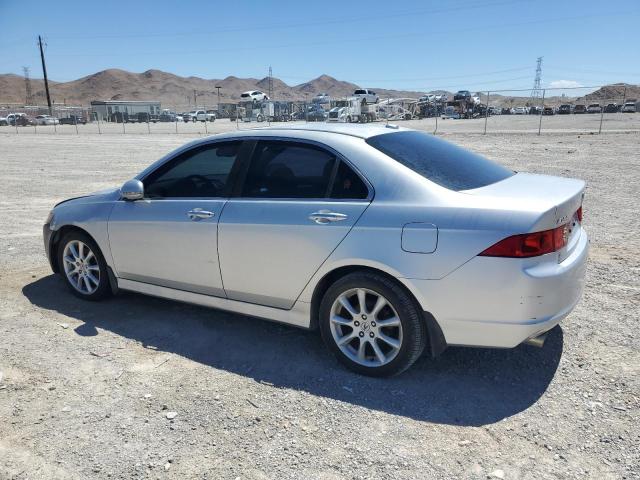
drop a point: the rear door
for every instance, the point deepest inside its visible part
(295, 204)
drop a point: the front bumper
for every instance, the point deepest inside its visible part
(501, 302)
(47, 235)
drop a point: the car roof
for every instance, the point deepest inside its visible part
(354, 130)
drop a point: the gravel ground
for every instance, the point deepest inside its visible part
(137, 387)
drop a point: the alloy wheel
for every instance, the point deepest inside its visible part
(366, 327)
(81, 267)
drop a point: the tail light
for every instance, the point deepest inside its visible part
(529, 244)
(579, 214)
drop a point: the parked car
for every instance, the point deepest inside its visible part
(594, 108)
(369, 96)
(506, 111)
(564, 109)
(4, 121)
(167, 116)
(46, 120)
(611, 108)
(548, 111)
(77, 120)
(495, 110)
(199, 116)
(462, 95)
(629, 107)
(321, 99)
(23, 120)
(520, 111)
(429, 97)
(315, 114)
(535, 110)
(442, 97)
(253, 95)
(11, 118)
(453, 249)
(580, 109)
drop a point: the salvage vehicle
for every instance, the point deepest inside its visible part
(46, 120)
(388, 240)
(594, 108)
(253, 96)
(629, 107)
(520, 111)
(462, 95)
(548, 111)
(321, 99)
(354, 109)
(580, 108)
(167, 116)
(535, 110)
(564, 109)
(199, 116)
(611, 108)
(23, 120)
(75, 120)
(369, 96)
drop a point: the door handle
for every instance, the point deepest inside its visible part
(198, 214)
(325, 216)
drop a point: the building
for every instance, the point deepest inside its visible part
(115, 110)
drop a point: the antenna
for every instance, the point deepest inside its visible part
(536, 93)
(28, 99)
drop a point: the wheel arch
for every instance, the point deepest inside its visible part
(436, 340)
(53, 251)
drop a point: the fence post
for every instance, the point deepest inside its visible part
(434, 132)
(486, 114)
(541, 111)
(123, 130)
(98, 122)
(601, 115)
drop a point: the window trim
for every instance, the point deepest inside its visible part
(236, 193)
(233, 174)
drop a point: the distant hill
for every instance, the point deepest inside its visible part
(176, 91)
(170, 89)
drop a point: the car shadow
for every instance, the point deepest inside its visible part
(463, 386)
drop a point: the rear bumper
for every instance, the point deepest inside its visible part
(501, 302)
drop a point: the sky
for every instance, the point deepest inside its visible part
(410, 45)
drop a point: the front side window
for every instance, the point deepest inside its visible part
(441, 162)
(200, 172)
(288, 170)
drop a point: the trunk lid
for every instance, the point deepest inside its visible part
(556, 199)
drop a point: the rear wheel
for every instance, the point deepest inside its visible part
(83, 266)
(372, 325)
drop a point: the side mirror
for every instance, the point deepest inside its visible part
(132, 190)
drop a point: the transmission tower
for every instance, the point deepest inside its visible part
(536, 93)
(270, 83)
(28, 99)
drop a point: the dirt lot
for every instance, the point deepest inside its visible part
(86, 389)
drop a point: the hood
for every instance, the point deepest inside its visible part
(109, 194)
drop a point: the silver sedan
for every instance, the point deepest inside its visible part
(388, 240)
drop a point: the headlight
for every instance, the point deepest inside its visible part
(49, 218)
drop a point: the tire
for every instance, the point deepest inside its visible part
(407, 329)
(94, 266)
(348, 119)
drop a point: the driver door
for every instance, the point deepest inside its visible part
(170, 238)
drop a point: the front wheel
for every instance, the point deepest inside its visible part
(83, 266)
(372, 325)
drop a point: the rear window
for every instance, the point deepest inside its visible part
(441, 162)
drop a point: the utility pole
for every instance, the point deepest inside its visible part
(195, 98)
(270, 83)
(44, 71)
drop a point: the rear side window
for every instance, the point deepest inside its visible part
(441, 162)
(288, 170)
(348, 185)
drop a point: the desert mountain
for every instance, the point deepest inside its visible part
(172, 90)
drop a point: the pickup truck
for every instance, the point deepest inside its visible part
(199, 116)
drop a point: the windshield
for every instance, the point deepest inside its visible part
(441, 162)
(359, 92)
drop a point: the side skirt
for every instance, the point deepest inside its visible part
(298, 316)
